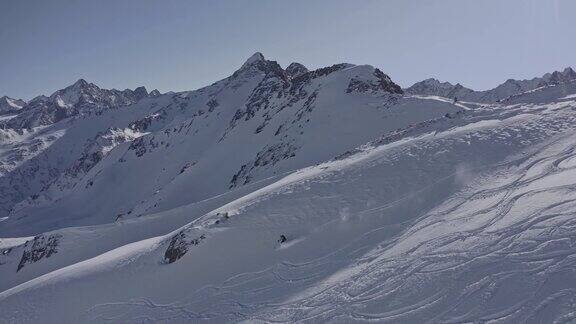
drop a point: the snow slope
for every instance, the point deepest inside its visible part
(393, 208)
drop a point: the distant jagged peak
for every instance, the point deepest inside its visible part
(140, 92)
(80, 83)
(40, 98)
(296, 69)
(83, 90)
(433, 86)
(78, 87)
(507, 88)
(258, 65)
(568, 74)
(433, 81)
(73, 93)
(459, 86)
(81, 97)
(430, 81)
(560, 76)
(512, 87)
(13, 102)
(10, 105)
(255, 58)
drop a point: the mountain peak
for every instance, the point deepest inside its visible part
(8, 99)
(435, 87)
(80, 83)
(569, 72)
(10, 105)
(256, 57)
(77, 88)
(140, 92)
(296, 69)
(258, 65)
(556, 77)
(72, 93)
(431, 81)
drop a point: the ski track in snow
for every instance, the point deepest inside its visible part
(533, 251)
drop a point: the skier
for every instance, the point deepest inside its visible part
(282, 239)
(455, 100)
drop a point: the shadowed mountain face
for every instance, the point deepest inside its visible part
(289, 195)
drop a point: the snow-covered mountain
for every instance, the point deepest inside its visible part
(273, 121)
(80, 98)
(10, 106)
(289, 195)
(433, 87)
(505, 90)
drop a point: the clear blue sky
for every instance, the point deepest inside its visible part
(183, 45)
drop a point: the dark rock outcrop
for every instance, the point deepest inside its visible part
(39, 248)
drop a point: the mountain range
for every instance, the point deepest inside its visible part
(290, 195)
(502, 92)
